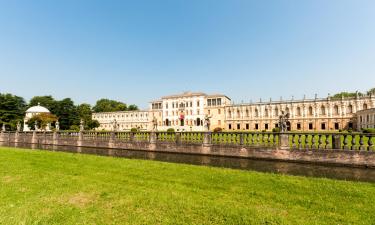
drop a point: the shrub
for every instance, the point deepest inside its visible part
(368, 130)
(170, 130)
(134, 130)
(218, 129)
(276, 130)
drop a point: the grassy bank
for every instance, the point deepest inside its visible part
(40, 187)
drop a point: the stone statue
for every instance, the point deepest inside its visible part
(3, 128)
(207, 122)
(115, 125)
(18, 126)
(283, 121)
(81, 126)
(57, 126)
(154, 124)
(48, 127)
(36, 128)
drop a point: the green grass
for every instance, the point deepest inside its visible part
(40, 187)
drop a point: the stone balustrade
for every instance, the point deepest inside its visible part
(343, 148)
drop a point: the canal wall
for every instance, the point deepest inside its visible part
(313, 148)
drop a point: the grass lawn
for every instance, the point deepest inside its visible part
(41, 187)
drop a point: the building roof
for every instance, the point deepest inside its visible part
(37, 109)
(185, 94)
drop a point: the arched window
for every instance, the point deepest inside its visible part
(238, 113)
(276, 112)
(229, 114)
(350, 109)
(266, 112)
(298, 111)
(335, 110)
(199, 121)
(365, 106)
(256, 113)
(247, 113)
(322, 110)
(310, 111)
(287, 110)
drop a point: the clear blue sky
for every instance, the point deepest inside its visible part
(136, 51)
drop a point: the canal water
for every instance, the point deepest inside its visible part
(268, 166)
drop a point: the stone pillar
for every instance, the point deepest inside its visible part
(336, 141)
(178, 138)
(284, 141)
(80, 139)
(55, 138)
(153, 140)
(34, 139)
(207, 143)
(2, 136)
(111, 143)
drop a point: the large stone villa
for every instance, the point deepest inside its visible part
(189, 110)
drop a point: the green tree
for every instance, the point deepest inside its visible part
(67, 113)
(371, 91)
(42, 120)
(12, 109)
(85, 113)
(106, 105)
(132, 107)
(346, 95)
(47, 101)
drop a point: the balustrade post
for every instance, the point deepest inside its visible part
(336, 141)
(80, 138)
(55, 138)
(178, 138)
(284, 141)
(131, 137)
(241, 139)
(370, 143)
(34, 139)
(207, 139)
(153, 137)
(353, 142)
(362, 145)
(112, 138)
(2, 136)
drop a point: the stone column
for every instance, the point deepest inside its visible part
(153, 139)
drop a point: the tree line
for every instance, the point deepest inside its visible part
(69, 115)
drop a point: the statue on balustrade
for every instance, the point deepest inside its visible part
(207, 122)
(115, 125)
(284, 121)
(81, 126)
(18, 126)
(3, 127)
(154, 124)
(57, 126)
(36, 128)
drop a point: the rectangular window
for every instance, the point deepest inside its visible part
(276, 125)
(208, 102)
(256, 126)
(230, 126)
(266, 126)
(213, 102)
(219, 101)
(247, 126)
(323, 125)
(238, 126)
(337, 126)
(311, 126)
(298, 126)
(198, 103)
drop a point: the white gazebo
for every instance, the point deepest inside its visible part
(32, 111)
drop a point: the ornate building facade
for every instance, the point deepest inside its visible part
(366, 118)
(189, 111)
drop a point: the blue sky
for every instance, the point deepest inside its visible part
(136, 51)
